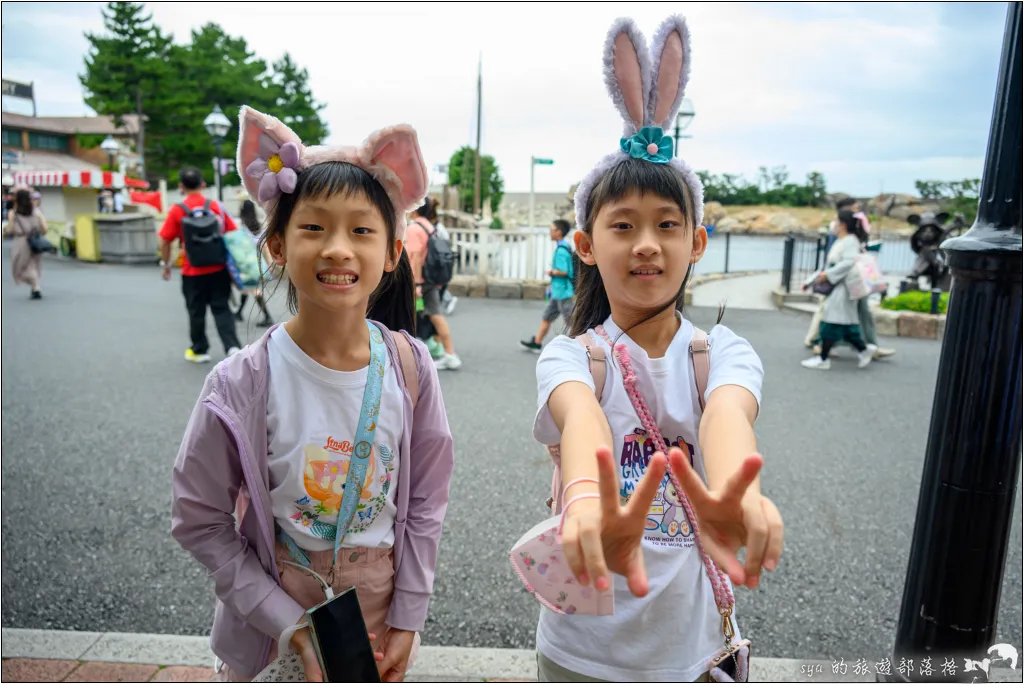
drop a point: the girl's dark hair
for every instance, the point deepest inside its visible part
(853, 225)
(632, 175)
(392, 303)
(428, 210)
(248, 215)
(23, 203)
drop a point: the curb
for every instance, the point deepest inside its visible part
(164, 657)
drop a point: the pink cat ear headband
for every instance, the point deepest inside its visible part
(647, 88)
(270, 156)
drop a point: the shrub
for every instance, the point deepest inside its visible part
(915, 301)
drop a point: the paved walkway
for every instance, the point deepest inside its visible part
(740, 292)
(38, 655)
(97, 397)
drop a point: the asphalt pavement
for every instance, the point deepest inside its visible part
(96, 396)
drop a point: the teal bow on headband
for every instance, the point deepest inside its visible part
(649, 143)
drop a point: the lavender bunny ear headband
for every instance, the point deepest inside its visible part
(270, 157)
(646, 88)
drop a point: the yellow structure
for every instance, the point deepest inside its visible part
(87, 238)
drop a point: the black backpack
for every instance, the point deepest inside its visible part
(440, 263)
(201, 236)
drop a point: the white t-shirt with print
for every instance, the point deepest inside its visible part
(312, 413)
(671, 634)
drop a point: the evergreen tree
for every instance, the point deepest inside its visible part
(295, 101)
(462, 173)
(126, 69)
(178, 86)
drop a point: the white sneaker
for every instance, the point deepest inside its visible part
(448, 362)
(864, 357)
(233, 350)
(815, 363)
(449, 306)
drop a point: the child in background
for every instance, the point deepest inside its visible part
(561, 273)
(639, 232)
(277, 422)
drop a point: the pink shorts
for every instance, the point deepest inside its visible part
(370, 571)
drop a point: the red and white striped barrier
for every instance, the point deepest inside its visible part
(71, 179)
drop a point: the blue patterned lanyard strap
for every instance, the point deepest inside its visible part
(366, 432)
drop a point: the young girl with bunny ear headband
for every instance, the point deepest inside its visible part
(332, 426)
(671, 539)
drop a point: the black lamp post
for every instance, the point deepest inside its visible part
(683, 119)
(972, 463)
(217, 125)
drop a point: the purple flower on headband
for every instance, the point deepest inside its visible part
(275, 168)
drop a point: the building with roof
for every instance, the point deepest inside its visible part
(45, 153)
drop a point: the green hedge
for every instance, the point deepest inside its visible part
(915, 301)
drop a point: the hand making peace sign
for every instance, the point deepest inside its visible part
(602, 536)
(733, 518)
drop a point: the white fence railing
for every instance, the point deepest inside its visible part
(525, 253)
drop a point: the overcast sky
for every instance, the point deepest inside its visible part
(873, 95)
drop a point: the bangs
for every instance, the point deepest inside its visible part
(640, 176)
(329, 179)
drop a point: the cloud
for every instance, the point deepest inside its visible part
(868, 93)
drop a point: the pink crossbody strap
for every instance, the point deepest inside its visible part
(699, 352)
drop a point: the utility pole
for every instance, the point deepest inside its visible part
(972, 463)
(479, 122)
(142, 132)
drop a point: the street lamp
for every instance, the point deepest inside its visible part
(111, 147)
(683, 119)
(217, 125)
(972, 461)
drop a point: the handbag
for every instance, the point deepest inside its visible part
(288, 667)
(39, 244)
(865, 278)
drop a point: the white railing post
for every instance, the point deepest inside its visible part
(484, 250)
(531, 254)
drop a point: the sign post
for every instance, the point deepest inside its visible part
(534, 161)
(25, 91)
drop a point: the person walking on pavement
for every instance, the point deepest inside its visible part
(864, 315)
(429, 212)
(417, 244)
(839, 319)
(23, 222)
(198, 223)
(561, 273)
(248, 216)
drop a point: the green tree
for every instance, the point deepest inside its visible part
(953, 196)
(295, 100)
(127, 70)
(462, 173)
(730, 188)
(179, 85)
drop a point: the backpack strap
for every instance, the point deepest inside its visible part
(408, 362)
(596, 359)
(206, 205)
(184, 208)
(700, 347)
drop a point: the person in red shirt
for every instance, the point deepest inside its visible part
(202, 285)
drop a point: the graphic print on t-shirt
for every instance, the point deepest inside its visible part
(667, 524)
(325, 478)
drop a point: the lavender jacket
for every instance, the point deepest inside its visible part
(225, 447)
